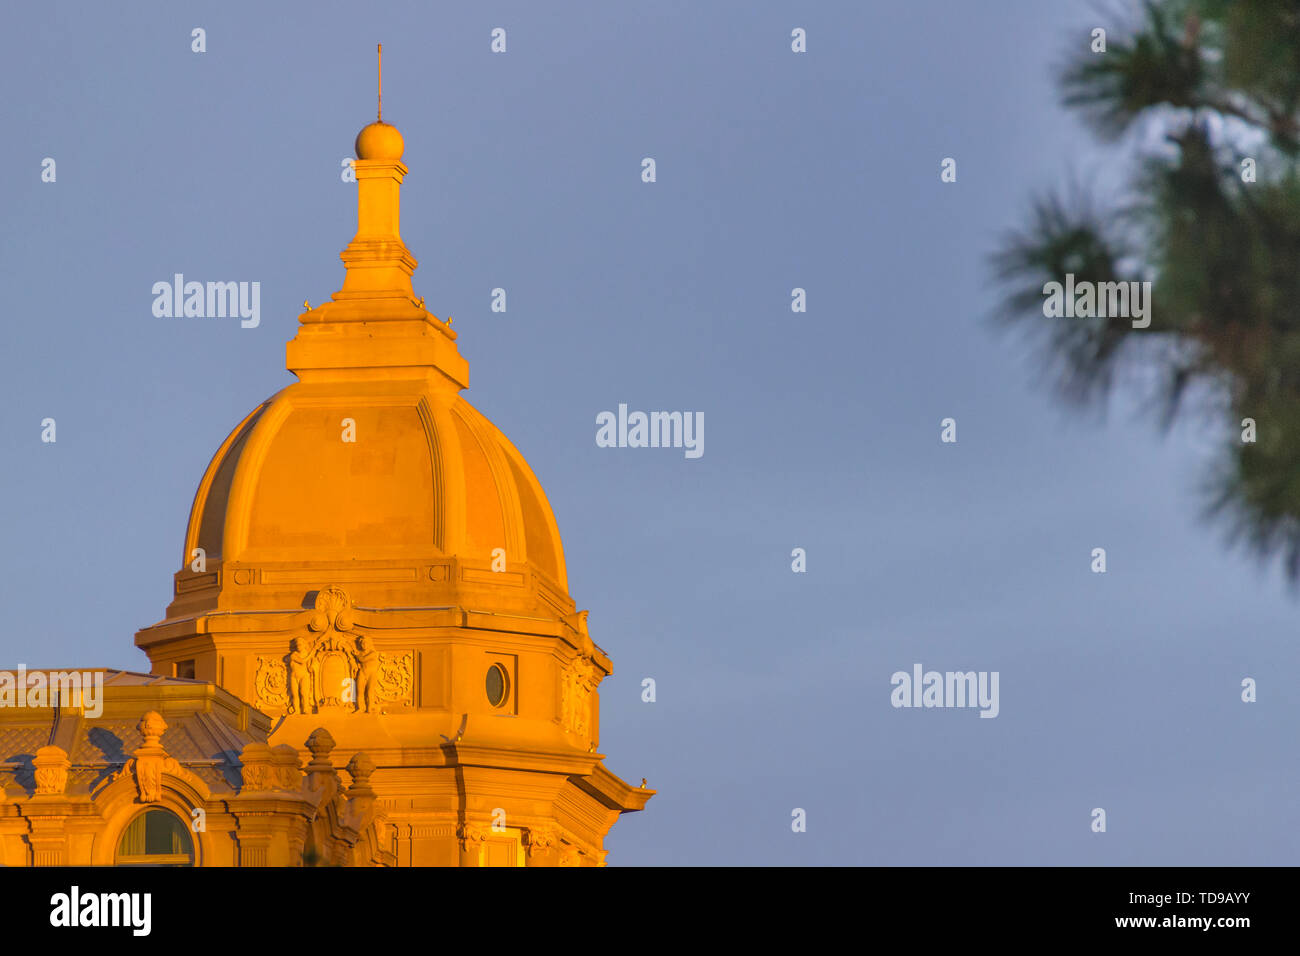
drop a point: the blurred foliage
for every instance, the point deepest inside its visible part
(1204, 84)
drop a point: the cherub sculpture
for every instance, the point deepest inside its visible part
(300, 684)
(367, 675)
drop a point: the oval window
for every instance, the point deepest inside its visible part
(497, 685)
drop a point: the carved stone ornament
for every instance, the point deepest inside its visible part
(577, 681)
(256, 769)
(540, 839)
(471, 836)
(360, 768)
(271, 683)
(150, 758)
(397, 677)
(51, 770)
(149, 761)
(332, 666)
(269, 768)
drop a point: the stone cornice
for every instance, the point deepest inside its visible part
(615, 793)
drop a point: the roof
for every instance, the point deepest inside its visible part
(207, 728)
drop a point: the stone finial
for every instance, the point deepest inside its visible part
(360, 796)
(150, 759)
(321, 776)
(51, 770)
(360, 767)
(151, 727)
(321, 744)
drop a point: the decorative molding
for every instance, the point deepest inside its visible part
(426, 831)
(269, 768)
(150, 762)
(514, 579)
(271, 684)
(333, 610)
(315, 674)
(253, 851)
(283, 576)
(541, 839)
(49, 856)
(578, 680)
(471, 836)
(197, 582)
(51, 770)
(397, 677)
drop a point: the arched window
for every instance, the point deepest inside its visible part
(156, 838)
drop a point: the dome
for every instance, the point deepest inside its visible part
(385, 479)
(371, 472)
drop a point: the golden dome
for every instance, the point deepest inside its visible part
(392, 483)
(380, 141)
(371, 472)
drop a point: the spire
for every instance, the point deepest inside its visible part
(345, 332)
(377, 260)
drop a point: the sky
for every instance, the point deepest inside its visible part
(775, 170)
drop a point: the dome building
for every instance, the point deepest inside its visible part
(371, 657)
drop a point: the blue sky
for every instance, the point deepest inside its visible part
(775, 170)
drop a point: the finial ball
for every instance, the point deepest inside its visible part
(380, 140)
